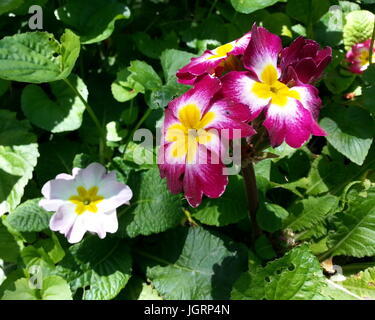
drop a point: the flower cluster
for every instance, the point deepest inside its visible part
(84, 201)
(238, 82)
(358, 57)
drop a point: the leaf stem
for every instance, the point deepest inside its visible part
(252, 197)
(144, 117)
(93, 117)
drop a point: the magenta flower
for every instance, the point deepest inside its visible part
(359, 57)
(214, 61)
(305, 60)
(84, 201)
(192, 140)
(291, 109)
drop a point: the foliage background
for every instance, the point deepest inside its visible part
(121, 56)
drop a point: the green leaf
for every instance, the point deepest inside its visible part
(263, 248)
(350, 131)
(9, 249)
(230, 208)
(369, 91)
(306, 213)
(153, 47)
(362, 284)
(9, 5)
(270, 216)
(28, 217)
(295, 276)
(125, 88)
(4, 86)
(137, 289)
(307, 11)
(358, 27)
(53, 288)
(102, 272)
(63, 113)
(249, 6)
(172, 60)
(153, 208)
(37, 57)
(193, 264)
(278, 23)
(354, 233)
(140, 156)
(18, 154)
(94, 20)
(144, 74)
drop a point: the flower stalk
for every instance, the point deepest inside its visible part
(102, 139)
(252, 197)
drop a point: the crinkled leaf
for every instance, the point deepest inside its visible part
(354, 233)
(18, 157)
(153, 208)
(295, 276)
(102, 272)
(306, 213)
(192, 263)
(29, 216)
(38, 57)
(358, 27)
(362, 284)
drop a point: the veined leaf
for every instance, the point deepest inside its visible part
(29, 216)
(153, 208)
(37, 57)
(308, 212)
(102, 272)
(18, 157)
(295, 276)
(192, 263)
(354, 234)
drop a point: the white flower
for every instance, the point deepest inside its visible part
(85, 201)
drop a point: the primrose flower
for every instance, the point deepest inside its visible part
(192, 139)
(359, 57)
(84, 201)
(214, 62)
(291, 109)
(305, 60)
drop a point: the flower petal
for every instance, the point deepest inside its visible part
(90, 176)
(263, 51)
(231, 117)
(292, 123)
(199, 96)
(237, 88)
(203, 177)
(64, 218)
(309, 97)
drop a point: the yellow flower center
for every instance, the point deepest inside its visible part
(221, 51)
(364, 57)
(271, 88)
(86, 200)
(190, 132)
